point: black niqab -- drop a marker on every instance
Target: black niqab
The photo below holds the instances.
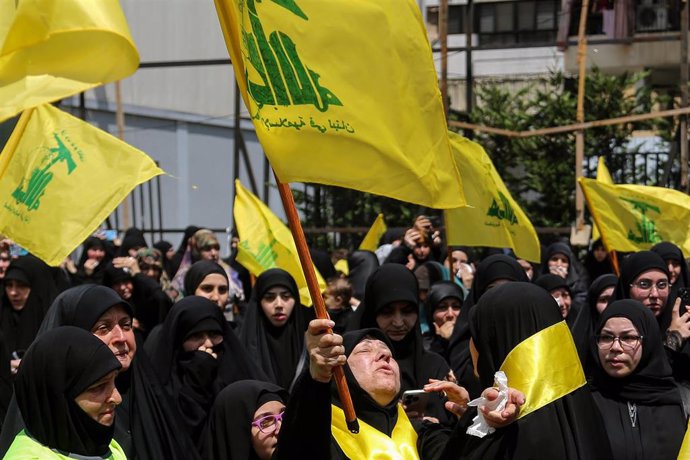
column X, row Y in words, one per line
column 58, row 367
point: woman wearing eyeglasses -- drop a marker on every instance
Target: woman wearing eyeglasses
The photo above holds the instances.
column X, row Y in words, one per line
column 633, row 387
column 245, row 422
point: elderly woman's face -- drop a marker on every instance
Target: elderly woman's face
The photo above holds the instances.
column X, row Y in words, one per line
column 620, row 347
column 114, row 328
column 100, row 399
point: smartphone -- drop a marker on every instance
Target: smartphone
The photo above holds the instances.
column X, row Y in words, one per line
column 110, row 235
column 16, row 251
column 684, row 294
column 415, row 401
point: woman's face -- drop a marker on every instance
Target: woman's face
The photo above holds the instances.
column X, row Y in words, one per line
column 277, row 304
column 265, row 438
column 100, row 399
column 18, row 293
column 651, row 288
column 621, row 357
column 673, row 269
column 96, row 253
column 604, row 298
column 214, row 287
column 558, row 264
column 562, row 296
column 447, row 310
column 4, row 263
column 114, row 328
column 397, row 319
column 202, row 340
column 210, row 251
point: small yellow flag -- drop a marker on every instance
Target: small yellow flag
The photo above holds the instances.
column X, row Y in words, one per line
column 633, row 218
column 373, row 236
column 52, row 49
column 684, row 453
column 492, row 218
column 266, row 242
column 60, row 178
column 344, row 93
column 603, row 175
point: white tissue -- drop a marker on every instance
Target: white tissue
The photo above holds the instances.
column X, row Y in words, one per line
column 479, row 426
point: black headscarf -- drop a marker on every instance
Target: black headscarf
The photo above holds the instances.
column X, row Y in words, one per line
column 493, row 268
column 147, row 425
column 577, row 278
column 632, row 267
column 164, row 246
column 58, row 367
column 277, row 350
column 19, row 328
column 133, row 239
column 228, row 433
column 588, row 318
column 383, row 418
column 660, row 423
column 440, row 290
column 395, row 283
column 669, row 251
column 568, row 427
column 200, row 270
column 594, row 268
column 362, row 264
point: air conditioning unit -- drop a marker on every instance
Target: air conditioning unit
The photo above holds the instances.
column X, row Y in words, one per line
column 652, row 16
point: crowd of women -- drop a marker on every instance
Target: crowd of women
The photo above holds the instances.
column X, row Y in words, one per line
column 150, row 352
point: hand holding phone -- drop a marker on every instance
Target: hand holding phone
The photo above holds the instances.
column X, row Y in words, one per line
column 415, row 402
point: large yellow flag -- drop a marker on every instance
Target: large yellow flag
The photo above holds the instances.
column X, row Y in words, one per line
column 52, row 49
column 603, row 175
column 492, row 218
column 266, row 242
column 60, row 178
column 636, row 217
column 373, row 236
column 344, row 93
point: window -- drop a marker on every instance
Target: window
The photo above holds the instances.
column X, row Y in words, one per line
column 511, row 23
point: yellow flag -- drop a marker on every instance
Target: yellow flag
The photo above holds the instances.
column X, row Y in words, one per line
column 373, row 236
column 604, row 176
column 266, row 242
column 52, row 49
column 60, row 178
column 344, row 93
column 635, row 217
column 492, row 218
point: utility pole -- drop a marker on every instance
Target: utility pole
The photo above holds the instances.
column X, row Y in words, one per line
column 443, row 38
column 684, row 97
column 469, row 77
column 580, row 115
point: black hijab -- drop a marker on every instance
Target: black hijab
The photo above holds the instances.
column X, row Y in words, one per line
column 440, row 290
column 669, row 251
column 164, row 246
column 200, row 270
column 194, row 314
column 97, row 276
column 493, row 268
column 19, row 328
column 277, row 350
column 659, row 421
column 588, row 318
column 133, row 239
column 632, row 267
column 147, row 425
column 362, row 264
column 383, row 418
column 396, row 283
column 568, row 427
column 228, row 433
column 594, row 268
column 57, row 368
column 179, row 254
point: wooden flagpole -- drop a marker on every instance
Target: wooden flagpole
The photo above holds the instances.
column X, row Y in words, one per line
column 321, row 312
